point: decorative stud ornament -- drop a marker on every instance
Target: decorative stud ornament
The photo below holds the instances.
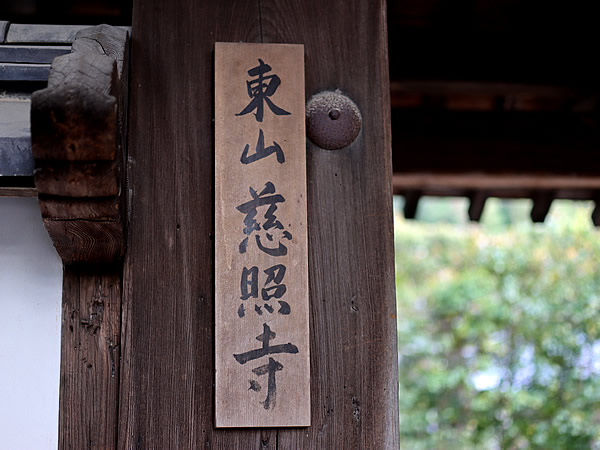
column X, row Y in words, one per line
column 333, row 121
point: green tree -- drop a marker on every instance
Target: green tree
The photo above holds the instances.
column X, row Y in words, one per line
column 499, row 334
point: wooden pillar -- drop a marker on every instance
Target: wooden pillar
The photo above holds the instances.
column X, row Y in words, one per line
column 77, row 130
column 90, row 357
column 167, row 371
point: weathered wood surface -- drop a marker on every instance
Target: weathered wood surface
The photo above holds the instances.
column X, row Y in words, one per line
column 479, row 181
column 478, row 187
column 75, row 118
column 168, row 367
column 51, row 34
column 494, row 142
column 83, row 241
column 103, row 39
column 66, row 208
column 77, row 126
column 262, row 303
column 77, row 179
column 18, row 191
column 90, row 357
column 354, row 379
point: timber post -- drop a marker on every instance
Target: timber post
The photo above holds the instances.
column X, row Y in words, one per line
column 78, row 129
column 168, row 371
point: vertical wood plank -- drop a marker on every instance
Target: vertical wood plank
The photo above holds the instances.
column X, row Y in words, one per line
column 261, row 254
column 90, row 355
column 167, row 395
column 354, row 361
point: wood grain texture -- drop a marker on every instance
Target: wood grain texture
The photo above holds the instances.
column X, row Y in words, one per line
column 50, row 34
column 76, row 136
column 168, row 368
column 76, row 179
column 494, row 142
column 75, row 117
column 77, row 128
column 66, row 208
column 168, row 362
column 354, row 379
column 103, row 40
column 90, row 357
column 480, row 181
column 257, row 290
column 86, row 241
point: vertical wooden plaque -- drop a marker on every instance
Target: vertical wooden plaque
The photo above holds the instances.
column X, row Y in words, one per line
column 261, row 252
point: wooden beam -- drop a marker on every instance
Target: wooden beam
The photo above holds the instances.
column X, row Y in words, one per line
column 77, row 179
column 488, row 96
column 84, row 240
column 411, row 203
column 476, row 204
column 51, row 34
column 168, row 363
column 70, row 121
column 498, row 186
column 440, row 54
column 66, row 208
column 542, row 202
column 353, row 308
column 447, row 88
column 437, row 140
column 479, row 181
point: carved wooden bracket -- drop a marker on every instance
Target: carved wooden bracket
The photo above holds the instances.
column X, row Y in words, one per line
column 78, row 132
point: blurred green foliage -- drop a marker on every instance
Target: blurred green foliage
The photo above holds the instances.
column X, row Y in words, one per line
column 498, row 328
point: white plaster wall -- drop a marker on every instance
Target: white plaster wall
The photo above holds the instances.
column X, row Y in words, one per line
column 30, row 310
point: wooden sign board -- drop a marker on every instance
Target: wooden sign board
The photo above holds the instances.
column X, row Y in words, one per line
column 261, row 250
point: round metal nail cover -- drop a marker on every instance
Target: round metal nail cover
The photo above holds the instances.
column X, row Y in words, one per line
column 333, row 121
